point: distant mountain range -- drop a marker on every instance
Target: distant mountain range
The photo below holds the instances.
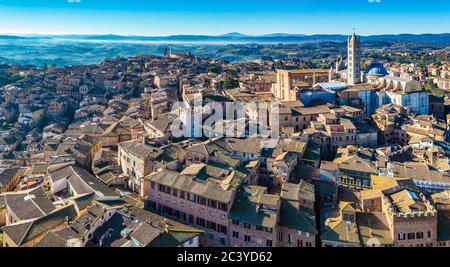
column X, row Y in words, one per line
column 11, row 37
column 238, row 37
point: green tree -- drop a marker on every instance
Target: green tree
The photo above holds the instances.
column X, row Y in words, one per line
column 430, row 84
column 214, row 69
column 231, row 80
column 434, row 89
column 230, row 84
column 231, row 74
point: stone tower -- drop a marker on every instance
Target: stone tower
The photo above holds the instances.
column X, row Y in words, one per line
column 354, row 60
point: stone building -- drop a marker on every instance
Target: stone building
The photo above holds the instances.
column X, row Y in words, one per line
column 289, row 82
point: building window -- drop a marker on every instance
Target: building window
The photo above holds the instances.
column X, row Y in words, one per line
column 269, row 230
column 411, row 236
column 235, row 222
column 259, row 228
column 201, row 200
column 419, row 235
column 183, row 216
column 222, row 229
column 201, row 222
column 248, row 226
column 268, row 243
column 210, row 236
column 280, row 236
column 247, row 238
column 401, row 236
column 161, row 188
column 223, row 206
column 212, row 204
column 290, row 239
column 235, row 234
column 212, row 225
column 152, row 205
column 429, row 234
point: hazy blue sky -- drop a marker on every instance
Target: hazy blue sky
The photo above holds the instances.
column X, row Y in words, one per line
column 214, row 17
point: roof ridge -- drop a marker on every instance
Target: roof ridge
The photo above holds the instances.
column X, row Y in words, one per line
column 34, row 202
column 84, row 182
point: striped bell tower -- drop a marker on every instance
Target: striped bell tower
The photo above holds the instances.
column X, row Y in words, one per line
column 354, row 60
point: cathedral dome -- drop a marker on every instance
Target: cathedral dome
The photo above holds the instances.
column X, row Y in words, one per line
column 376, row 69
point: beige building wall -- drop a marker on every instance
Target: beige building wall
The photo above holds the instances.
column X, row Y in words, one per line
column 297, row 238
column 415, row 230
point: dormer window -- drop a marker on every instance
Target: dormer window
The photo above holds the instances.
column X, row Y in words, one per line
column 87, row 225
column 348, row 217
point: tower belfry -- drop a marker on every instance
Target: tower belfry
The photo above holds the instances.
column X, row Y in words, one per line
column 354, row 60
